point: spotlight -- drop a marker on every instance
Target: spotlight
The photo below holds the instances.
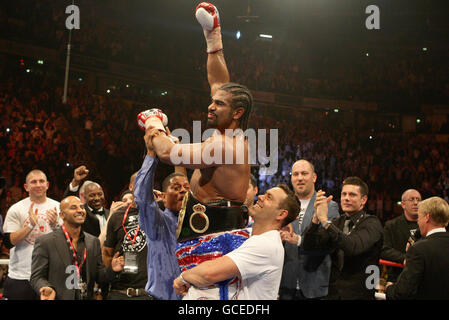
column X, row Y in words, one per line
column 238, row 35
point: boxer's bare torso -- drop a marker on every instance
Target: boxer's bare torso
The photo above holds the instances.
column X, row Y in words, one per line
column 227, row 181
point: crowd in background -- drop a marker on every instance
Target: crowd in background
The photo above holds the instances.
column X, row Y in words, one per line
column 99, row 131
column 404, row 76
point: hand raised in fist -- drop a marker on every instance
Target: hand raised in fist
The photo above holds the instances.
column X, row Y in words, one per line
column 79, row 175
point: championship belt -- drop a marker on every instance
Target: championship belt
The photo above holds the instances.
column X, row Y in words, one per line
column 196, row 218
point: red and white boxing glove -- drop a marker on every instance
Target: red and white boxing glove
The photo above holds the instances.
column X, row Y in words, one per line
column 208, row 17
column 152, row 118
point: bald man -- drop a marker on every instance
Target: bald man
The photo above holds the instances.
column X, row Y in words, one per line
column 305, row 274
column 425, row 275
column 67, row 263
column 25, row 221
column 399, row 230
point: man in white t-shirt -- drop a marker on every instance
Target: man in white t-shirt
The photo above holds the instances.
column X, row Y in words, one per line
column 258, row 261
column 25, row 221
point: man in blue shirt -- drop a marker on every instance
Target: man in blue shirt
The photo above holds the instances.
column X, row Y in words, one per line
column 160, row 226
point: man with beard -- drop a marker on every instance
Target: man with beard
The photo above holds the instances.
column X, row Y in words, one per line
column 214, row 207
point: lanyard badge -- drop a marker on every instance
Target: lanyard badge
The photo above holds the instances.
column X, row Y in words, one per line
column 82, row 286
column 130, row 256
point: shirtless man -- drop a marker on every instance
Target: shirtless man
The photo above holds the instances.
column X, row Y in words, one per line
column 219, row 182
column 229, row 109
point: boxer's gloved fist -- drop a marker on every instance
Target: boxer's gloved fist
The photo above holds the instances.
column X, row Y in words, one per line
column 152, row 118
column 208, row 17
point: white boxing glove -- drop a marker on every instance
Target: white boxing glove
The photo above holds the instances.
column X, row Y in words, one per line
column 152, row 118
column 208, row 17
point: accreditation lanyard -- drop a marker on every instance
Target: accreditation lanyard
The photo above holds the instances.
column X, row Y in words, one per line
column 74, row 252
column 126, row 232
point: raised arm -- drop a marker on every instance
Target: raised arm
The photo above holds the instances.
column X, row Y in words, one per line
column 217, row 71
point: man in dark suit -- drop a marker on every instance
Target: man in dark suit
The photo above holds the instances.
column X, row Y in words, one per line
column 399, row 231
column 425, row 275
column 92, row 197
column 67, row 262
column 354, row 239
column 97, row 214
column 306, row 273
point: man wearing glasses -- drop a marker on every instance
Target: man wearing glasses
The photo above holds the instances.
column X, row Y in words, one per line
column 401, row 230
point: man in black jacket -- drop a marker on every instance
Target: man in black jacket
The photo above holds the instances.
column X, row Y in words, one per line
column 67, row 262
column 354, row 240
column 92, row 197
column 399, row 230
column 125, row 236
column 425, row 275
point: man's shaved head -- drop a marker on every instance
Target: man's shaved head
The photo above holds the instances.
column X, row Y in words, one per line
column 65, row 203
column 34, row 172
column 72, row 211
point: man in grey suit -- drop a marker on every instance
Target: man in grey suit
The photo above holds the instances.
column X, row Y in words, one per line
column 67, row 262
column 306, row 273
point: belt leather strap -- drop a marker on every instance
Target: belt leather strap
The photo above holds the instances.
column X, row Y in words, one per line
column 131, row 292
column 197, row 219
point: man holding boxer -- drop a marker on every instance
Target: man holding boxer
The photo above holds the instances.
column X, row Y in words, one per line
column 214, row 206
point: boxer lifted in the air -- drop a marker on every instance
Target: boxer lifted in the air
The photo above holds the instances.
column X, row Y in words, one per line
column 224, row 182
column 212, row 215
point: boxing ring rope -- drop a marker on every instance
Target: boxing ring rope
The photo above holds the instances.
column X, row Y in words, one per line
column 4, row 261
column 390, row 263
column 381, row 295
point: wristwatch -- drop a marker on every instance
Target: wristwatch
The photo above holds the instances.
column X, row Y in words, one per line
column 325, row 224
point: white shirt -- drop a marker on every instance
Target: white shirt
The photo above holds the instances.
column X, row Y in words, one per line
column 101, row 217
column 304, row 205
column 435, row 231
column 259, row 260
column 16, row 218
